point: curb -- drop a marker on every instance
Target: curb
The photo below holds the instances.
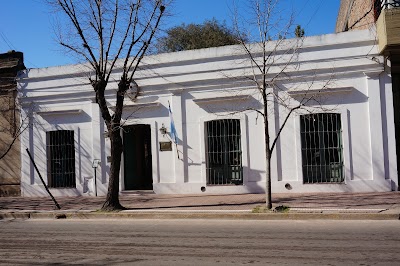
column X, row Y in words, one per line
column 204, row 215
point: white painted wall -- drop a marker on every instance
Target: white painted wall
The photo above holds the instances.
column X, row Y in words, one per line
column 199, row 87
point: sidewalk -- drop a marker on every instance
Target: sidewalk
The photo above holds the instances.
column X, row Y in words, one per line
column 382, row 205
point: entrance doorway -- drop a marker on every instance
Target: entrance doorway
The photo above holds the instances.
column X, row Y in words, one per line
column 137, row 157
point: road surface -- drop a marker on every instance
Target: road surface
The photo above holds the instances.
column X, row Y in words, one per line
column 199, row 242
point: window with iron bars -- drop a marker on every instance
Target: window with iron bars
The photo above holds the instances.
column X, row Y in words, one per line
column 224, row 153
column 60, row 159
column 321, row 146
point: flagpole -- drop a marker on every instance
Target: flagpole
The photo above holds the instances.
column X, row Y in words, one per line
column 177, row 152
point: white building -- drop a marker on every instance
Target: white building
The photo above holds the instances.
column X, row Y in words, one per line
column 350, row 147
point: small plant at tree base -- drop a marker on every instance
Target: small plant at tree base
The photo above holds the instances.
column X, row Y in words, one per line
column 264, row 209
column 282, row 208
column 260, row 209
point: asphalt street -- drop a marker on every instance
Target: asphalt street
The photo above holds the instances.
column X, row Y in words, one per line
column 199, row 242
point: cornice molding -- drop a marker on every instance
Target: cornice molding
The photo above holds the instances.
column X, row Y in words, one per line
column 57, row 111
column 138, row 105
column 200, row 101
column 373, row 74
column 322, row 91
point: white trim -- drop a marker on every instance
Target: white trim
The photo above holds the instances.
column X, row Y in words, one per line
column 155, row 156
column 297, row 143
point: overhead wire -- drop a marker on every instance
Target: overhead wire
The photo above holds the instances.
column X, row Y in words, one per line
column 7, row 41
column 315, row 12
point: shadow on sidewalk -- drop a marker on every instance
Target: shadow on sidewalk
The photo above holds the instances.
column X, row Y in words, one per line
column 228, row 202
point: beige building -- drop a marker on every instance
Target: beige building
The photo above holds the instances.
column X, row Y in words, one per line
column 355, row 15
column 10, row 156
column 382, row 15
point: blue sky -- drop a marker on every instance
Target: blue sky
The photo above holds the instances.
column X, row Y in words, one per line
column 26, row 25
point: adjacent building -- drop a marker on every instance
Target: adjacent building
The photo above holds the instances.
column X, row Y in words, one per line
column 10, row 163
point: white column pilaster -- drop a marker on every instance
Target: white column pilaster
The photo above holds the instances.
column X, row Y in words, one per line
column 97, row 146
column 391, row 169
column 176, row 107
column 375, row 125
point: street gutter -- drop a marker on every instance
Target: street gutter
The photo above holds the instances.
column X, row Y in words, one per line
column 87, row 215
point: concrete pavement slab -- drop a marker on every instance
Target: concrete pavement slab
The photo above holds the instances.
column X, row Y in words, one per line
column 343, row 205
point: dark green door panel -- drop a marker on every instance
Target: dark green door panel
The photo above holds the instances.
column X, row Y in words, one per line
column 137, row 158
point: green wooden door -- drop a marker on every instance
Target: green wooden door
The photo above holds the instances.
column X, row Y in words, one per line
column 137, row 158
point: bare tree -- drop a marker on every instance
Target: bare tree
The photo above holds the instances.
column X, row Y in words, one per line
column 110, row 34
column 272, row 56
column 11, row 133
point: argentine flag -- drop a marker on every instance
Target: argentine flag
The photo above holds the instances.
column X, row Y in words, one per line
column 174, row 135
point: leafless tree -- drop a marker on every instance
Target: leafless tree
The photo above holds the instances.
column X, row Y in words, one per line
column 110, row 35
column 10, row 133
column 272, row 56
column 10, row 125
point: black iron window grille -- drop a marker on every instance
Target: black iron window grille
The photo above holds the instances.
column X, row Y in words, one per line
column 384, row 4
column 224, row 153
column 60, row 159
column 321, row 146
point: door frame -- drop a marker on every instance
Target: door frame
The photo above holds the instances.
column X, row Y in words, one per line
column 148, row 128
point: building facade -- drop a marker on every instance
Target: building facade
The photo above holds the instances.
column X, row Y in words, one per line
column 344, row 142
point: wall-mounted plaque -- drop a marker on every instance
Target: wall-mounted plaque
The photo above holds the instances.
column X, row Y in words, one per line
column 165, row 146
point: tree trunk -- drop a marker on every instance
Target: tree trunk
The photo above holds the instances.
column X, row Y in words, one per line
column 268, row 197
column 112, row 200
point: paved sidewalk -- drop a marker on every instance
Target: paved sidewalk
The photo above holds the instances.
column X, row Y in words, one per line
column 384, row 203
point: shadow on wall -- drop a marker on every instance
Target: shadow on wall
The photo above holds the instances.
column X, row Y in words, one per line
column 333, row 98
column 231, row 106
column 142, row 112
column 66, row 119
column 353, row 96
